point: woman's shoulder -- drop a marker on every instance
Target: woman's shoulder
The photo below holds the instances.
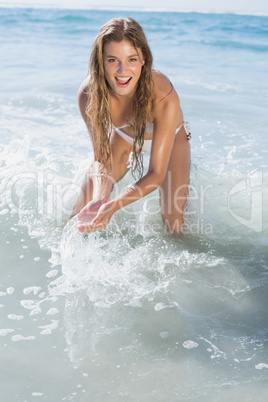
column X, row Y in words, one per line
column 163, row 88
column 82, row 95
column 162, row 84
column 83, row 89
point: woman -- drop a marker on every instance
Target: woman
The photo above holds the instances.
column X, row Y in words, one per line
column 129, row 109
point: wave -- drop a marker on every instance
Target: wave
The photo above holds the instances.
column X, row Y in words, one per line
column 237, row 45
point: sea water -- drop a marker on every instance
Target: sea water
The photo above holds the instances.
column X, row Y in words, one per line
column 133, row 313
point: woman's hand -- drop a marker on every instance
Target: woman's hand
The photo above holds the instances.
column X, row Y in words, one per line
column 95, row 216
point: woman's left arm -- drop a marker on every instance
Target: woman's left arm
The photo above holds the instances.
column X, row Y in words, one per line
column 166, row 116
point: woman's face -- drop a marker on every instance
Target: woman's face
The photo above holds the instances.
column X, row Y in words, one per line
column 122, row 67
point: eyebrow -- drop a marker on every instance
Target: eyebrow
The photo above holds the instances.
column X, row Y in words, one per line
column 127, row 56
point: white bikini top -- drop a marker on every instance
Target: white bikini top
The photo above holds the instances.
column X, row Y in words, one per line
column 149, row 129
column 147, row 143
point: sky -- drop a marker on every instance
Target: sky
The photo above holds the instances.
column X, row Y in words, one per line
column 244, row 6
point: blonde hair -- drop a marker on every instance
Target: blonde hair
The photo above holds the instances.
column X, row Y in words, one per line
column 98, row 106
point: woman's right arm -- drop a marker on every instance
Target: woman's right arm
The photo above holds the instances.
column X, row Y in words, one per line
column 98, row 182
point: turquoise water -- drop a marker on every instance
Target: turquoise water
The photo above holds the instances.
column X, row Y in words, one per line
column 133, row 313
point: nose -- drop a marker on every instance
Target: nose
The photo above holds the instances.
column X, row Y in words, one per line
column 121, row 67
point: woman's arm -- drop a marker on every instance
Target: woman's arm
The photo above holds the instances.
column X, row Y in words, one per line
column 98, row 183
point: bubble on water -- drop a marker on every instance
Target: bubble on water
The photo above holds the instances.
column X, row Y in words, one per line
column 52, row 273
column 15, row 317
column 190, row 344
column 52, row 311
column 135, row 302
column 47, row 329
column 261, row 366
column 36, row 311
column 164, row 334
column 35, row 234
column 5, row 331
column 28, row 304
column 17, row 338
column 30, row 289
column 160, row 306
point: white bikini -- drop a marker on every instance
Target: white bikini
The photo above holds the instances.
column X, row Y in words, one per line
column 146, row 149
column 149, row 129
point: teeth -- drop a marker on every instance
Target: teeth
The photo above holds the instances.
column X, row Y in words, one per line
column 123, row 79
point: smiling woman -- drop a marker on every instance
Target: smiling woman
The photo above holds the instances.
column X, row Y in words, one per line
column 123, row 68
column 130, row 109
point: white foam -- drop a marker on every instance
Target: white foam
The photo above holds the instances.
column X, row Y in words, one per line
column 53, row 311
column 15, row 317
column 261, row 366
column 190, row 344
column 164, row 334
column 32, row 289
column 17, row 338
column 5, row 331
column 47, row 329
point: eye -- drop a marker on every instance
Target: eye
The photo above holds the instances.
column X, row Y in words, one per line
column 132, row 60
column 111, row 60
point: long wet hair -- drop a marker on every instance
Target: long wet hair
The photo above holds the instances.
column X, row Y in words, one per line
column 98, row 105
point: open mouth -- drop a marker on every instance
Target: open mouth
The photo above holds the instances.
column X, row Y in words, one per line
column 123, row 81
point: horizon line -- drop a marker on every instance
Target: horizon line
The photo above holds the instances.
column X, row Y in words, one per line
column 122, row 8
